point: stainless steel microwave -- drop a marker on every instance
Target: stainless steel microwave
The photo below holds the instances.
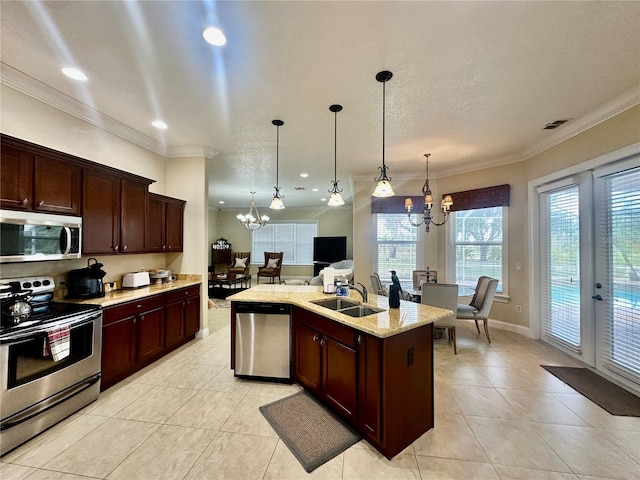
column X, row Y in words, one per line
column 28, row 236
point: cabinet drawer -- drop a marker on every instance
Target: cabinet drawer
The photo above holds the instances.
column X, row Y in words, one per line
column 183, row 293
column 113, row 314
column 335, row 330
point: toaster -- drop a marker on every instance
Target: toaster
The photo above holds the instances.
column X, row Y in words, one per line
column 135, row 279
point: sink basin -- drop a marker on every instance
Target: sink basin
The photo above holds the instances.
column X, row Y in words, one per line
column 336, row 303
column 360, row 311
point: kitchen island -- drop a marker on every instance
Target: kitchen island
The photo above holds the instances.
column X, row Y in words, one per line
column 374, row 371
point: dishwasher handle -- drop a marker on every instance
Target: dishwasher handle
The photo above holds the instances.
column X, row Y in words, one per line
column 269, row 308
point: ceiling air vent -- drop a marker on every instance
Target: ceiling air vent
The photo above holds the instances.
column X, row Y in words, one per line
column 554, row 124
column 299, row 188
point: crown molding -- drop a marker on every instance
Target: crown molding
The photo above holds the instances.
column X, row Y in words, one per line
column 191, row 151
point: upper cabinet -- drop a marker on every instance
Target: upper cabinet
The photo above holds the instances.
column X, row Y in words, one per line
column 119, row 215
column 164, row 227
column 37, row 181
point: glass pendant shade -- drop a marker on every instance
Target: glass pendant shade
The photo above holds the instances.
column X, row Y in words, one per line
column 383, row 189
column 335, row 200
column 276, row 203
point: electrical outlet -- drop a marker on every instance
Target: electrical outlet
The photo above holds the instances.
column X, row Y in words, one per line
column 518, row 267
column 518, row 308
column 142, row 269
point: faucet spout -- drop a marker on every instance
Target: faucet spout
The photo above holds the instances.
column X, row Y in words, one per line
column 363, row 292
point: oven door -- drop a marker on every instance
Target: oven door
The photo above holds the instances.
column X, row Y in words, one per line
column 32, row 381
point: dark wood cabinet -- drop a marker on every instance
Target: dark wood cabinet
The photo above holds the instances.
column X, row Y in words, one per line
column 369, row 397
column 164, row 224
column 132, row 337
column 182, row 316
column 132, row 220
column 325, row 361
column 100, row 212
column 38, row 179
column 16, row 175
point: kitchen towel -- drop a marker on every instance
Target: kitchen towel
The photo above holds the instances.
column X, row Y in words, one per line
column 57, row 343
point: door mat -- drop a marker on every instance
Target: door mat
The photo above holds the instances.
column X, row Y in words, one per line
column 313, row 433
column 614, row 399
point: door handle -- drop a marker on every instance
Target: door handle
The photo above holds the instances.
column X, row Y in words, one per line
column 597, row 297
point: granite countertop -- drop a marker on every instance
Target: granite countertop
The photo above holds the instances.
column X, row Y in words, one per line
column 129, row 294
column 390, row 322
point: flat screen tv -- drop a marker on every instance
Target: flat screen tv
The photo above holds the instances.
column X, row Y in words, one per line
column 329, row 249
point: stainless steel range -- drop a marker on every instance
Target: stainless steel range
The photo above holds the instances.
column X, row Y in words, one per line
column 50, row 357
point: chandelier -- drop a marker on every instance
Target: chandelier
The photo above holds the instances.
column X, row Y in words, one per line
column 249, row 220
column 427, row 219
column 383, row 187
column 335, row 200
column 276, row 203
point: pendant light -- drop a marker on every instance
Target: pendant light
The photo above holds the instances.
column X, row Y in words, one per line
column 383, row 188
column 276, row 203
column 335, row 200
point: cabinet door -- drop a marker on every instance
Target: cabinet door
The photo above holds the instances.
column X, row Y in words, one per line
column 134, row 200
column 308, row 356
column 175, row 212
column 100, row 212
column 56, row 186
column 150, row 335
column 192, row 316
column 118, row 350
column 369, row 393
column 174, row 325
column 339, row 377
column 155, row 227
column 16, row 175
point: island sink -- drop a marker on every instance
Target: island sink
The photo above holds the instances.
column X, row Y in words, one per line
column 347, row 306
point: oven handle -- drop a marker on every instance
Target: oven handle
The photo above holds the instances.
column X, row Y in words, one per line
column 31, row 332
column 51, row 402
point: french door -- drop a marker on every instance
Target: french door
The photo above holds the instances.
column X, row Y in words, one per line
column 590, row 268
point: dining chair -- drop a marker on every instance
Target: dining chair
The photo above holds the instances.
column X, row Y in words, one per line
column 443, row 295
column 240, row 263
column 480, row 305
column 272, row 266
column 376, row 285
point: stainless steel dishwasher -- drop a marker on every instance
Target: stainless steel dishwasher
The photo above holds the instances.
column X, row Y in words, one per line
column 263, row 341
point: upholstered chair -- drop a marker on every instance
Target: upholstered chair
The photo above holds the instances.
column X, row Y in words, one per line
column 272, row 266
column 444, row 296
column 480, row 305
column 240, row 263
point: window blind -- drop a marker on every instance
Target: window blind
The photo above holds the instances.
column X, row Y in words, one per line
column 295, row 240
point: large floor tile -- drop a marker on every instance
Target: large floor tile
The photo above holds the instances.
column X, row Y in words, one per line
column 446, row 469
column 596, row 416
column 368, row 464
column 577, row 446
column 284, row 465
column 626, row 440
column 541, row 407
column 483, row 402
column 248, row 419
column 276, row 390
column 208, row 409
column 157, row 405
column 467, row 375
column 116, row 398
column 193, row 376
column 225, row 381
column 517, row 473
column 102, row 450
column 515, row 443
column 169, row 453
column 53, row 475
column 452, row 438
column 11, row 471
column 234, row 456
column 46, row 446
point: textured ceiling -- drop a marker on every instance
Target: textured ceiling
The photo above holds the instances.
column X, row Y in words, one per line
column 474, row 82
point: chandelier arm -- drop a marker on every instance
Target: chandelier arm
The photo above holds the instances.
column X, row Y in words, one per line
column 446, row 217
column 415, row 224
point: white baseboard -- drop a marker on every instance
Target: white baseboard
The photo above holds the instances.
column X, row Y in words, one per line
column 509, row 327
column 202, row 333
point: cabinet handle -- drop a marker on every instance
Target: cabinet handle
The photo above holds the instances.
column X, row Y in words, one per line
column 124, row 248
column 138, row 306
column 116, row 248
column 164, row 247
column 25, row 202
column 315, row 338
column 41, row 203
column 359, row 339
column 322, row 342
column 169, row 246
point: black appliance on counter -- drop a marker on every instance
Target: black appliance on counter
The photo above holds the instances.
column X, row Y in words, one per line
column 86, row 282
column 39, row 386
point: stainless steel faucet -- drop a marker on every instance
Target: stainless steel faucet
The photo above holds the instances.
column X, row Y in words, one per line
column 363, row 293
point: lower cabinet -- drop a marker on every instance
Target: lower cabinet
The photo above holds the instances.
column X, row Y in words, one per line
column 135, row 334
column 383, row 387
column 325, row 361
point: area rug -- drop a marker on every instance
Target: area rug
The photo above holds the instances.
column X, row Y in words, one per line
column 312, row 433
column 614, row 399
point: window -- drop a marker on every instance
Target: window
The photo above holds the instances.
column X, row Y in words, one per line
column 478, row 245
column 294, row 239
column 397, row 246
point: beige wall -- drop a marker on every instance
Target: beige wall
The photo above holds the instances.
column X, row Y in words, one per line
column 336, row 221
column 33, row 121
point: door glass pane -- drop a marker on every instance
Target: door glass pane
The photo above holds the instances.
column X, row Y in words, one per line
column 561, row 267
column 619, row 260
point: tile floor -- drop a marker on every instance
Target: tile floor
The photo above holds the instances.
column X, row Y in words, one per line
column 498, row 416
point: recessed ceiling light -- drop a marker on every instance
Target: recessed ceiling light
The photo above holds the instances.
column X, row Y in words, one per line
column 304, row 175
column 323, row 199
column 159, row 124
column 221, row 201
column 315, row 190
column 214, row 36
column 75, row 74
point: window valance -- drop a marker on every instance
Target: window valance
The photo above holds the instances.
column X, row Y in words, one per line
column 496, row 196
column 394, row 204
